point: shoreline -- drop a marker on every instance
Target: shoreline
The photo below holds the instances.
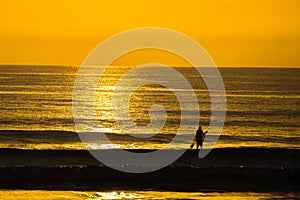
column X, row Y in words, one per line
column 70, row 140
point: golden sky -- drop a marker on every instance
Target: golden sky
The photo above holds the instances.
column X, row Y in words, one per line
column 234, row 32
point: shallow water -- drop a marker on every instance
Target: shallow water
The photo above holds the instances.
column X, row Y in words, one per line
column 43, row 194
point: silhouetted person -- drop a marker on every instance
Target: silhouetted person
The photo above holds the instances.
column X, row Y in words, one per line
column 199, row 138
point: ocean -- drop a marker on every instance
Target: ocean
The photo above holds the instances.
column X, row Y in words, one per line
column 36, row 108
column 42, row 157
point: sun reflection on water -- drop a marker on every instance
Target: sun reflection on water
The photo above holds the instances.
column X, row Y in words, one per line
column 115, row 195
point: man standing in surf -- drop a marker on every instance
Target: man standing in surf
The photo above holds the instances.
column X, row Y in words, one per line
column 199, row 138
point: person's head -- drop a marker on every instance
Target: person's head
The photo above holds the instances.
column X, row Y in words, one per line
column 200, row 127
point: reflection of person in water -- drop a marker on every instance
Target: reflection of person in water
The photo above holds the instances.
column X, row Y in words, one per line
column 199, row 138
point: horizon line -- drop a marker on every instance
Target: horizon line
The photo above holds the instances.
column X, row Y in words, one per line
column 65, row 65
